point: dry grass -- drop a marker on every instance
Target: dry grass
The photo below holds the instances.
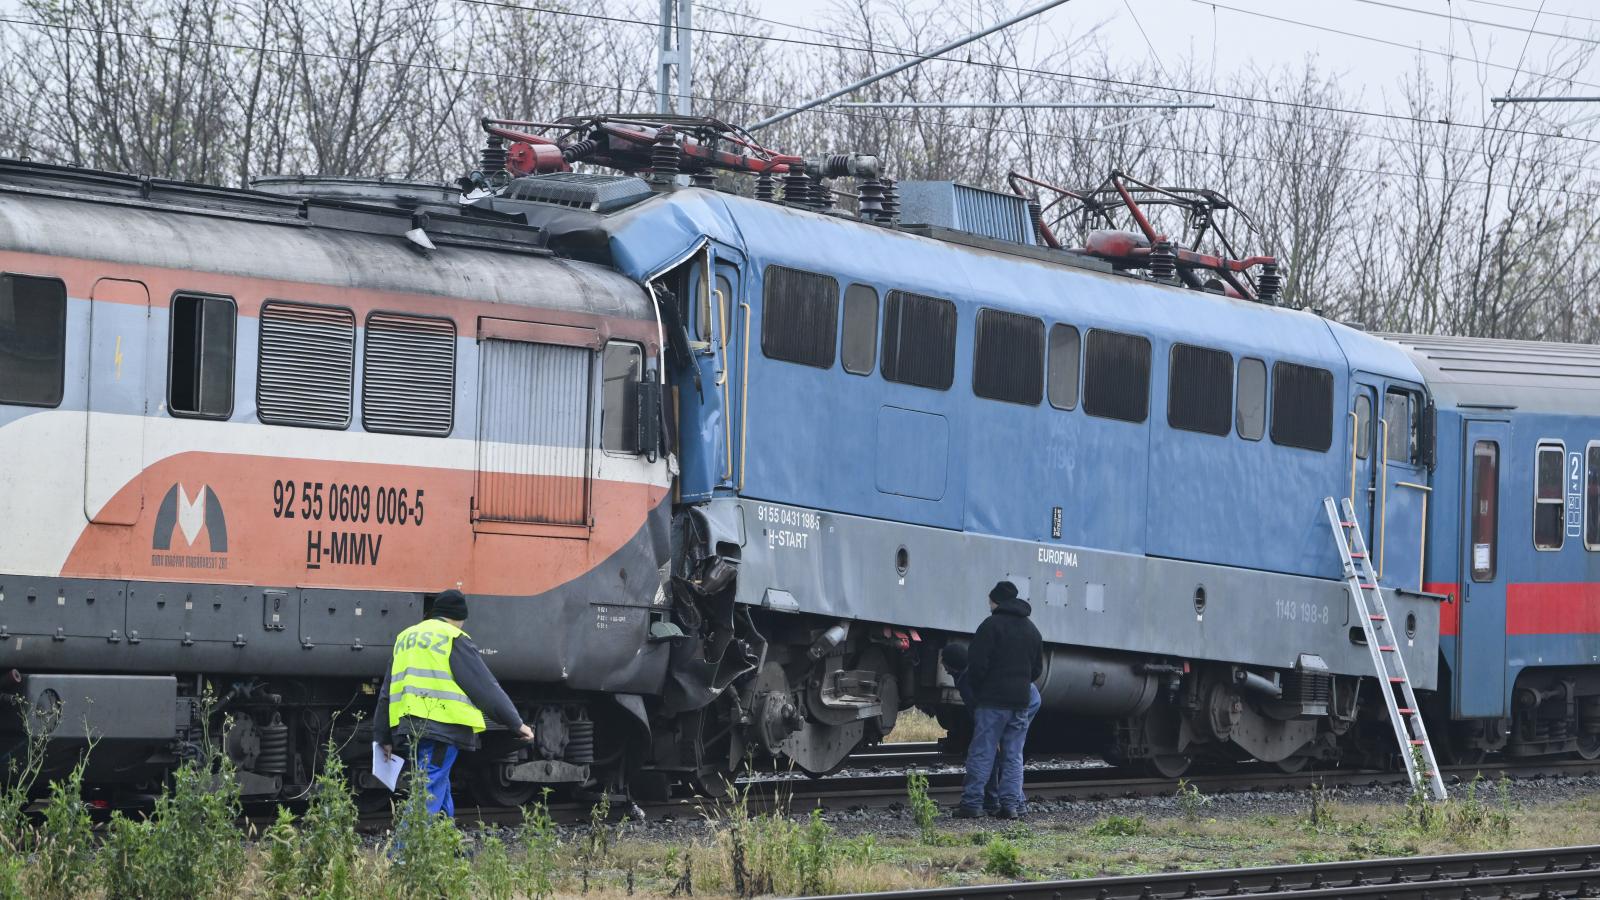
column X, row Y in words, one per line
column 914, row 725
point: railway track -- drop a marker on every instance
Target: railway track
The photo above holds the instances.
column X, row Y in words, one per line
column 1560, row 872
column 888, row 791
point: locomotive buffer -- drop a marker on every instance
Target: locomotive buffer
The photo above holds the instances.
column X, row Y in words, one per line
column 1409, row 731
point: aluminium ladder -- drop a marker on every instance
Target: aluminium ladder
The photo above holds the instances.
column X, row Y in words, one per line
column 1387, row 661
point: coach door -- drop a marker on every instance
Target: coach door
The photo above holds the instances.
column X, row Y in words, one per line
column 119, row 325
column 1481, row 640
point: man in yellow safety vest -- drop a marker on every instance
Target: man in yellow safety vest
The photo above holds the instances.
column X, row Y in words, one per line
column 436, row 694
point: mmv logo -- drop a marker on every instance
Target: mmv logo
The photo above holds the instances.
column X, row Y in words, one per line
column 181, row 515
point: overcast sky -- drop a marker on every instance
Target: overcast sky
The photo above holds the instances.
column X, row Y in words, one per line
column 1231, row 34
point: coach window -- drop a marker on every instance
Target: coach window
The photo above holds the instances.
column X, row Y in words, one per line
column 1116, row 376
column 408, row 374
column 33, row 340
column 1251, row 414
column 1400, row 409
column 305, row 370
column 919, row 340
column 1065, row 356
column 1591, row 492
column 1485, row 508
column 200, row 370
column 799, row 316
column 1550, row 497
column 1200, row 390
column 1008, row 357
column 1302, row 406
column 860, row 344
column 622, row 369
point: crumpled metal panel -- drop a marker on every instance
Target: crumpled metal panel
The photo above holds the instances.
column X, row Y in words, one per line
column 533, row 433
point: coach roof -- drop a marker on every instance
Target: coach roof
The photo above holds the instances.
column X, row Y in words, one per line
column 1489, row 373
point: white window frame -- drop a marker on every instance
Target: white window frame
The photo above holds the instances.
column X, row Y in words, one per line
column 1539, row 450
column 1587, row 472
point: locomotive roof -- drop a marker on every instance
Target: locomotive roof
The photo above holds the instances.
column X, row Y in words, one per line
column 1490, row 373
column 80, row 213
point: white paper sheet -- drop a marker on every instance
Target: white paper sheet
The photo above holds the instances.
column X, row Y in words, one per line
column 386, row 770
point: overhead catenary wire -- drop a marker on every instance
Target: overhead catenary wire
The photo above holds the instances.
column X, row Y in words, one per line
column 767, row 105
column 1128, row 86
column 1505, row 25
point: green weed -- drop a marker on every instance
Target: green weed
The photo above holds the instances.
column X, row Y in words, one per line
column 1190, row 801
column 814, row 856
column 428, row 859
column 1002, row 858
column 1119, row 826
column 924, row 809
column 64, row 866
column 539, row 843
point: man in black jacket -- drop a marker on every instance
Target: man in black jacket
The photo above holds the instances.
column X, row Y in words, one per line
column 1005, row 658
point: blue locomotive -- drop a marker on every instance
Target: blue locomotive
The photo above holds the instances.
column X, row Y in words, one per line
column 725, row 472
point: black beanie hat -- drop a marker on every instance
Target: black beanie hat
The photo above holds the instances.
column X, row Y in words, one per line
column 955, row 658
column 1003, row 592
column 451, row 604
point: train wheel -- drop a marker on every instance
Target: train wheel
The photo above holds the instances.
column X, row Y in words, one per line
column 1292, row 764
column 1589, row 747
column 1172, row 765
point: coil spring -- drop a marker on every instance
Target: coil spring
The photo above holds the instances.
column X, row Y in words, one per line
column 274, row 756
column 665, row 155
column 580, row 149
column 580, row 741
column 766, row 187
column 797, row 186
column 493, row 158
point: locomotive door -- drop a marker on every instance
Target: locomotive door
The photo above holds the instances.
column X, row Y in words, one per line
column 119, row 324
column 717, row 320
column 1480, row 672
column 1363, row 456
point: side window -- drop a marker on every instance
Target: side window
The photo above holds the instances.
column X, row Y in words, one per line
column 919, row 340
column 200, row 367
column 799, row 317
column 1008, row 357
column 33, row 340
column 1116, row 376
column 860, row 345
column 1549, row 498
column 408, row 375
column 1591, row 490
column 305, row 371
column 1200, row 390
column 1251, row 415
column 1363, row 424
column 1064, row 360
column 1400, row 409
column 1485, row 509
column 621, row 370
column 1302, row 406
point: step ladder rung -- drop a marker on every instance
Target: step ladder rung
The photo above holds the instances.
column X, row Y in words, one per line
column 1395, row 679
column 1418, row 742
column 1377, row 618
column 1366, row 587
column 1388, row 649
column 1407, row 711
column 1357, row 554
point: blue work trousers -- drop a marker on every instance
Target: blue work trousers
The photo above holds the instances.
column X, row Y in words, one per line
column 994, row 758
column 436, row 758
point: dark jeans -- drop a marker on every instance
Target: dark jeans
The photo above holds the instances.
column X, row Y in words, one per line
column 994, row 758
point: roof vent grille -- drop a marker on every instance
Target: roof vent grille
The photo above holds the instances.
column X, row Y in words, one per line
column 577, row 190
column 1003, row 217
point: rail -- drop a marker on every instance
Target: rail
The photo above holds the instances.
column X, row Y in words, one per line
column 1547, row 873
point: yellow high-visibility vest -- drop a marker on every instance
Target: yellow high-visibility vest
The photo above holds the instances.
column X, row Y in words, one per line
column 420, row 683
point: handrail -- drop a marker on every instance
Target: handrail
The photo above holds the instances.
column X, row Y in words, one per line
column 1355, row 438
column 1383, row 497
column 744, row 395
column 722, row 382
column 1422, row 551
